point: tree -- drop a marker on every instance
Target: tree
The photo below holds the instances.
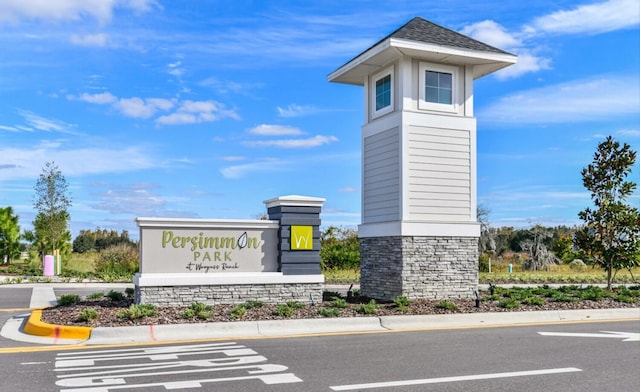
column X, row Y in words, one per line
column 9, row 235
column 340, row 248
column 52, row 202
column 539, row 256
column 611, row 233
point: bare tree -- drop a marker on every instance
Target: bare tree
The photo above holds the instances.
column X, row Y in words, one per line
column 540, row 258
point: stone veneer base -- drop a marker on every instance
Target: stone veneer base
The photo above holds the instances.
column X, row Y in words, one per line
column 434, row 267
column 185, row 289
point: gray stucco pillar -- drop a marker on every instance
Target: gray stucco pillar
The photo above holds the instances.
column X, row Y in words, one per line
column 299, row 234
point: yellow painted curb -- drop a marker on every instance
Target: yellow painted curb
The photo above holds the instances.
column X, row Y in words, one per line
column 35, row 326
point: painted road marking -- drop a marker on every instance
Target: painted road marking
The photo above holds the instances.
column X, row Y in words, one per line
column 170, row 367
column 625, row 336
column 439, row 380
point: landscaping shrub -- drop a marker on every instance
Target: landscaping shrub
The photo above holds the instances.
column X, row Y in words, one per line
column 237, row 312
column 339, row 303
column 284, row 310
column 87, row 315
column 508, row 303
column 328, row 312
column 68, row 299
column 369, row 308
column 444, row 304
column 198, row 310
column 96, row 295
column 118, row 260
column 115, row 295
column 137, row 311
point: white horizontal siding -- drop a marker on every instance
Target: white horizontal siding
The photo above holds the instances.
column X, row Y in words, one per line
column 381, row 177
column 438, row 174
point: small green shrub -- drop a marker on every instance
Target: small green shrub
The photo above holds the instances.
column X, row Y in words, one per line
column 329, row 312
column 295, row 305
column 493, row 297
column 592, row 293
column 96, row 295
column 137, row 311
column 330, row 295
column 562, row 297
column 68, row 299
column 198, row 310
column 369, row 308
column 624, row 298
column 237, row 312
column 129, row 291
column 339, row 303
column 284, row 310
column 444, row 304
column 534, row 300
column 509, row 303
column 401, row 301
column 253, row 304
column 115, row 295
column 87, row 315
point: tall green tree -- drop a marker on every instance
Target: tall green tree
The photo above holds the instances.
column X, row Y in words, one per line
column 52, row 201
column 611, row 231
column 9, row 235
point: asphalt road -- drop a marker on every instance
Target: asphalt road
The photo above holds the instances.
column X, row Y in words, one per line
column 479, row 359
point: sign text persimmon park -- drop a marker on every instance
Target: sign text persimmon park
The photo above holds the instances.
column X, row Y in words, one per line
column 178, row 250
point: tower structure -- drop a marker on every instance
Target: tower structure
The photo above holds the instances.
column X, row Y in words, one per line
column 419, row 230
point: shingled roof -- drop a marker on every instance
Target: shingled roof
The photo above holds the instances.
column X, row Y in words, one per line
column 426, row 40
column 421, row 30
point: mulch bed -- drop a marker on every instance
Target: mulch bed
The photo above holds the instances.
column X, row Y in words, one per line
column 107, row 309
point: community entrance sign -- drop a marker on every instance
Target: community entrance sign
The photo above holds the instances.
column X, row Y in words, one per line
column 183, row 261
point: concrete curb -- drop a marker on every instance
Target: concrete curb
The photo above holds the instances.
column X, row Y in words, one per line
column 299, row 327
column 34, row 326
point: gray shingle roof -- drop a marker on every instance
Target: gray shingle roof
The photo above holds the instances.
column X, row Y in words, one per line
column 421, row 30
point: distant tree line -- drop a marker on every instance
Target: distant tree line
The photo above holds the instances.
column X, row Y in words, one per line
column 99, row 239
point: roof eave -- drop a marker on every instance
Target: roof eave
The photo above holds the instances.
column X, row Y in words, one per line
column 356, row 70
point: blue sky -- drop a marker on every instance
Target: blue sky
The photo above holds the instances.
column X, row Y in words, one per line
column 207, row 108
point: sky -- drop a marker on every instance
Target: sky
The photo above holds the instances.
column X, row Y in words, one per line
column 205, row 109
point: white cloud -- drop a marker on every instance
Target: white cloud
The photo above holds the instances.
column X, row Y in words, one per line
column 294, row 110
column 90, row 40
column 527, row 62
column 593, row 99
column 491, row 33
column 28, row 162
column 187, row 112
column 233, row 158
column 264, row 166
column 591, row 18
column 192, row 112
column 15, row 11
column 311, row 142
column 496, row 35
column 228, row 86
column 629, row 132
column 8, row 128
column 274, row 130
column 100, row 98
column 135, row 107
column 34, row 121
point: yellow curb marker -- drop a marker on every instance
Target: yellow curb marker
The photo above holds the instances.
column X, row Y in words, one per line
column 35, row 326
